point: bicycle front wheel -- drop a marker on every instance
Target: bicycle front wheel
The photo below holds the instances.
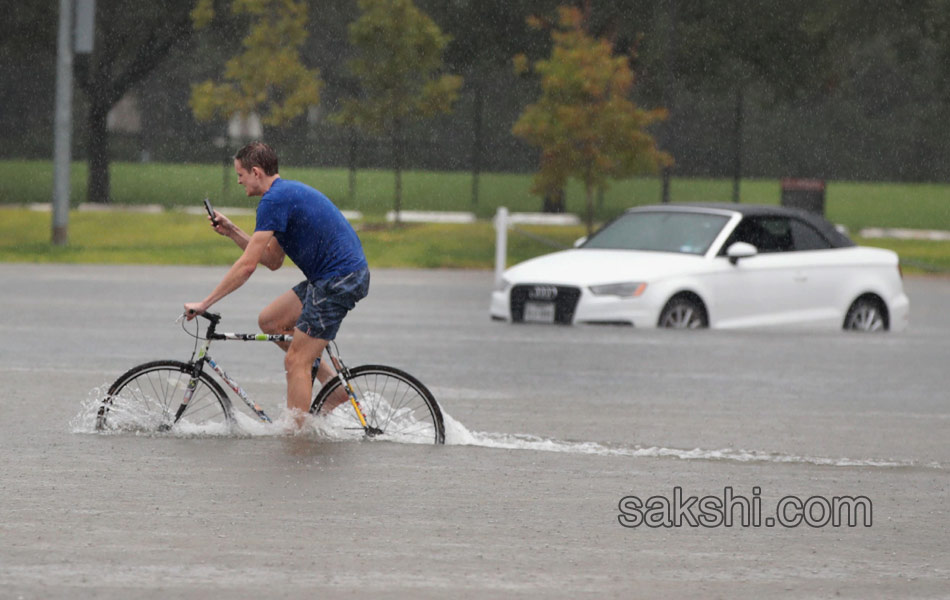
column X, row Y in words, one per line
column 150, row 397
column 396, row 405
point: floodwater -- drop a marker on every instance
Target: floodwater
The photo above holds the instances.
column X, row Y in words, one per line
column 548, row 430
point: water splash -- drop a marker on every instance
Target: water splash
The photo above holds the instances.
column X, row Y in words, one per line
column 85, row 421
column 458, row 434
column 334, row 429
column 131, row 416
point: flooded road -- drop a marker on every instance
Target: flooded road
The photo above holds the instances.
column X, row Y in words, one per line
column 549, row 430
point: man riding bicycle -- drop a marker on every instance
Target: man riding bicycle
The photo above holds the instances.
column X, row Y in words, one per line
column 295, row 220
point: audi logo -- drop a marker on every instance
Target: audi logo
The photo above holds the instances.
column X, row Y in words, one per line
column 542, row 292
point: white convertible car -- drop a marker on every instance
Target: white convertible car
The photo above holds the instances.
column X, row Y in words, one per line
column 710, row 265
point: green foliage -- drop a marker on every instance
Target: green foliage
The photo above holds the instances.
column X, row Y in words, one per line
column 786, row 45
column 268, row 76
column 397, row 68
column 584, row 122
column 399, row 56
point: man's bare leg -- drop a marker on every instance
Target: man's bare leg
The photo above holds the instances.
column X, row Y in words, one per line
column 339, row 395
column 299, row 362
column 280, row 317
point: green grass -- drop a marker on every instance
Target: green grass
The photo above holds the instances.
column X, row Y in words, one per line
column 910, row 205
column 174, row 238
column 917, row 256
column 854, row 205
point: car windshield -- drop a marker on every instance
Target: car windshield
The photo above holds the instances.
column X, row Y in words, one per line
column 660, row 231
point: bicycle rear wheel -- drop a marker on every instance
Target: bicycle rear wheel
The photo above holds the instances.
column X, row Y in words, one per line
column 396, row 405
column 147, row 398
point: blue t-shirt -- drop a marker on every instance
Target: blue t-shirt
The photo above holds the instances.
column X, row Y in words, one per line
column 311, row 230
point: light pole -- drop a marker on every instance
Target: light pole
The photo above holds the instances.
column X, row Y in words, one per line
column 68, row 40
column 62, row 150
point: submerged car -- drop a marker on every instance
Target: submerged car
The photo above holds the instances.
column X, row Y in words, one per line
column 710, row 265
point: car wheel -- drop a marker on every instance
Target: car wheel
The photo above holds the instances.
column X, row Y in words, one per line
column 683, row 313
column 866, row 314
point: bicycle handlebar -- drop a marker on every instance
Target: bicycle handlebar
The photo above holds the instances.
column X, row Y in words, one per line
column 213, row 317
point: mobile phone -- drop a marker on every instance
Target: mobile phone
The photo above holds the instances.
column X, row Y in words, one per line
column 210, row 210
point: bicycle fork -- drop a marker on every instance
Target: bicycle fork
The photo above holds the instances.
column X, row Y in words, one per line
column 189, row 392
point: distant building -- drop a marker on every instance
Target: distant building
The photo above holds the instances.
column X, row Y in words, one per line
column 125, row 116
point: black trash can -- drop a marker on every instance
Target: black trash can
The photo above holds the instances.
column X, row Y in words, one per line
column 804, row 194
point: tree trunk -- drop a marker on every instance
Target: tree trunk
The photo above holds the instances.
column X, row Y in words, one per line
column 477, row 126
column 397, row 165
column 737, row 158
column 669, row 91
column 590, row 208
column 227, row 172
column 351, row 160
column 553, row 202
column 666, row 174
column 97, row 189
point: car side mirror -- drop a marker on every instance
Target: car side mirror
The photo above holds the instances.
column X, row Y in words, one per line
column 580, row 241
column 740, row 250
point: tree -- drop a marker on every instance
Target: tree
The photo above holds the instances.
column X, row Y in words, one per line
column 485, row 34
column 788, row 46
column 28, row 73
column 584, row 123
column 397, row 66
column 268, row 76
column 129, row 45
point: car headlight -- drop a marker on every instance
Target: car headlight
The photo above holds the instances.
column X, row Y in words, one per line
column 502, row 285
column 630, row 289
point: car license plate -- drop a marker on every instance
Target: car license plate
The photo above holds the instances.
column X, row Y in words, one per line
column 539, row 312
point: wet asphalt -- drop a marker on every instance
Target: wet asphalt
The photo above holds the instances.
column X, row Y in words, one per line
column 550, row 428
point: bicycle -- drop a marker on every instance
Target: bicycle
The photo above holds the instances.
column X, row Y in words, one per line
column 164, row 395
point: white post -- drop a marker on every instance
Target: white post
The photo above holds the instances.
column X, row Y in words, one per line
column 501, row 242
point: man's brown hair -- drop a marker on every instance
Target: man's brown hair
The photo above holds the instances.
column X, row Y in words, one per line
column 258, row 154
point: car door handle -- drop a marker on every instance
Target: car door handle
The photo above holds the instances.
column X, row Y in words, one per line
column 800, row 278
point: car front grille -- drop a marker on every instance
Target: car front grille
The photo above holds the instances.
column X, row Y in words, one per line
column 563, row 297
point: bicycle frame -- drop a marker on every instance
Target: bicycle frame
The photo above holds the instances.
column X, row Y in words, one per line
column 202, row 357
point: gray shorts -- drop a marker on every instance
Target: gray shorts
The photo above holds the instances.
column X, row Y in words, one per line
column 326, row 301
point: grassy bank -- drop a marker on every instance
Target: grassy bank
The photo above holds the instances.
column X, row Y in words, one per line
column 176, row 238
column 854, row 205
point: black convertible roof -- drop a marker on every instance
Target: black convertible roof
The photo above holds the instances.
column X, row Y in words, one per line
column 831, row 233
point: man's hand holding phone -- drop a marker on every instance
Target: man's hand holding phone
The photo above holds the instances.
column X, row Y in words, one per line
column 221, row 224
column 210, row 209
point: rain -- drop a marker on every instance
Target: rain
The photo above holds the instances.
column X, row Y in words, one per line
column 629, row 415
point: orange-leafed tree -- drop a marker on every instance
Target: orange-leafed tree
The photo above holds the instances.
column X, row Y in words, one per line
column 584, row 123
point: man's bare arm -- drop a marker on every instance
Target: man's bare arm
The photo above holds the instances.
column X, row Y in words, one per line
column 240, row 272
column 273, row 257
